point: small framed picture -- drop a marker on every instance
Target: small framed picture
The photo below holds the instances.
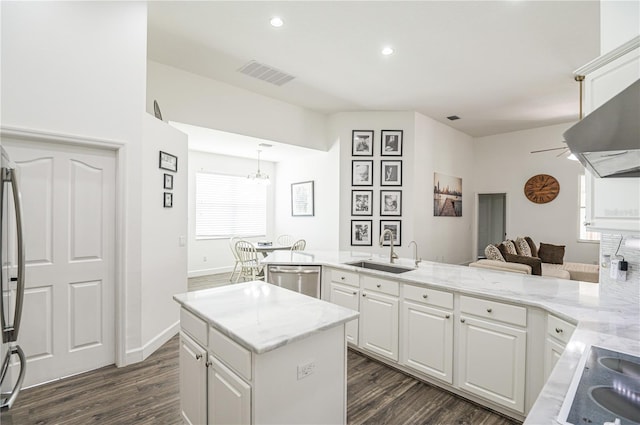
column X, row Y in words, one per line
column 302, row 199
column 394, row 227
column 361, row 232
column 361, row 173
column 168, row 200
column 362, row 202
column 362, row 143
column 391, row 202
column 391, row 173
column 168, row 181
column 168, row 162
column 391, row 143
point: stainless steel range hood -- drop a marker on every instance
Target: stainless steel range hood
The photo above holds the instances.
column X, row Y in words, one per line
column 607, row 141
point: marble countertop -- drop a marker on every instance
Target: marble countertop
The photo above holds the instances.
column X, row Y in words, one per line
column 607, row 315
column 262, row 317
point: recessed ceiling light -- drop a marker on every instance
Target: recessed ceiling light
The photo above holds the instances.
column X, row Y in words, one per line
column 276, row 22
column 387, row 51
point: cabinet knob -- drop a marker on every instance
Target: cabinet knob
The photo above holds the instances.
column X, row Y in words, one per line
column 198, row 356
column 489, row 310
column 354, row 292
column 587, row 223
column 378, row 285
column 462, row 320
column 447, row 316
column 341, row 277
column 425, row 296
column 207, row 363
column 364, row 295
column 558, row 330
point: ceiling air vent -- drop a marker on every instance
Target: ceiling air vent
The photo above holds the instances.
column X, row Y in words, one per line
column 266, row 73
column 453, row 117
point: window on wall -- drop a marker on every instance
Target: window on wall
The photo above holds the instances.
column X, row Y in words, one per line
column 585, row 235
column 229, row 206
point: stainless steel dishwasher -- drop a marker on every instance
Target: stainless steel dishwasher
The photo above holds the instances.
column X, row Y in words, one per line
column 303, row 279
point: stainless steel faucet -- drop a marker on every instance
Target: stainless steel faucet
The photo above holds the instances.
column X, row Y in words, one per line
column 392, row 255
column 416, row 260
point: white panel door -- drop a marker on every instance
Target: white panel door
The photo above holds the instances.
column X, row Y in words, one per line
column 229, row 397
column 347, row 296
column 379, row 324
column 68, row 194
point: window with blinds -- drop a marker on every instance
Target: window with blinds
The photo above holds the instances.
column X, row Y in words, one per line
column 229, row 206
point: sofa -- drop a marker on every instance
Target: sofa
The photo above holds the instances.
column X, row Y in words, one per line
column 522, row 255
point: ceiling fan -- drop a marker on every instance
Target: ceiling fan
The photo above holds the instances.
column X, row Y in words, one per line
column 564, row 150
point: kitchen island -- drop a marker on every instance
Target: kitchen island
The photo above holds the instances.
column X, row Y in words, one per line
column 257, row 353
column 547, row 322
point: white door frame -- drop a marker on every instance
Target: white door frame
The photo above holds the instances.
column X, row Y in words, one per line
column 120, row 213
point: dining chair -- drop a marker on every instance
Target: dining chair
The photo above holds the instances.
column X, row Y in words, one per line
column 232, row 246
column 285, row 240
column 250, row 266
column 299, row 245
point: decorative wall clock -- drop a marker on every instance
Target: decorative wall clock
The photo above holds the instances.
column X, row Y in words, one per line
column 541, row 188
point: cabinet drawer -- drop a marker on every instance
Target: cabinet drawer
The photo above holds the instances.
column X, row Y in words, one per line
column 230, row 352
column 380, row 285
column 194, row 326
column 347, row 278
column 429, row 296
column 559, row 328
column 494, row 310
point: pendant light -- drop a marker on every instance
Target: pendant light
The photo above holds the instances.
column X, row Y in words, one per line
column 259, row 177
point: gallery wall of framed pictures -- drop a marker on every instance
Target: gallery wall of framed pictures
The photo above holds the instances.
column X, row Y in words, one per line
column 376, row 186
column 169, row 163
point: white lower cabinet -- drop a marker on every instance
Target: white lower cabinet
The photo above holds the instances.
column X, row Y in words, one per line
column 558, row 334
column 229, row 397
column 379, row 314
column 349, row 297
column 491, row 361
column 193, row 381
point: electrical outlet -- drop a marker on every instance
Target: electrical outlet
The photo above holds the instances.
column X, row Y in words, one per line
column 204, row 259
column 306, row 369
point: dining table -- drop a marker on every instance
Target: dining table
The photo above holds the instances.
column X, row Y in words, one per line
column 266, row 249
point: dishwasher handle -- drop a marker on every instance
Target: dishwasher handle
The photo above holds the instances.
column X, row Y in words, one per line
column 290, row 270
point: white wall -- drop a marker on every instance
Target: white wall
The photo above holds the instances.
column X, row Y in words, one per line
column 164, row 256
column 196, row 100
column 320, row 231
column 503, row 163
column 218, row 255
column 619, row 23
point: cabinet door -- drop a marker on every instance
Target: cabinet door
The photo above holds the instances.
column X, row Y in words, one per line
column 193, row 381
column 553, row 349
column 491, row 361
column 379, row 324
column 348, row 297
column 229, row 396
column 427, row 340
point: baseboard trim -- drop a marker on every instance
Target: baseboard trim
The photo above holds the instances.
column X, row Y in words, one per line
column 139, row 354
column 206, row 272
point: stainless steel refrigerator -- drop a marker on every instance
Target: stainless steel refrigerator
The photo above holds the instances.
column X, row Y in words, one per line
column 11, row 282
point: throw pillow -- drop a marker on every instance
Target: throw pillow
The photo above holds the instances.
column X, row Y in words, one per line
column 534, row 262
column 502, row 249
column 553, row 254
column 510, row 247
column 532, row 246
column 523, row 247
column 492, row 253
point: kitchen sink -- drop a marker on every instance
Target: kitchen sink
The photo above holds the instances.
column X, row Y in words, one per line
column 380, row 267
column 619, row 401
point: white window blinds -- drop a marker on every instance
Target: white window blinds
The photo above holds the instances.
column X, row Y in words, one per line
column 229, row 206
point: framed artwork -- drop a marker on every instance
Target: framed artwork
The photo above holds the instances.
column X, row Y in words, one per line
column 361, row 173
column 391, row 173
column 302, row 199
column 362, row 202
column 168, row 200
column 168, row 181
column 391, row 202
column 447, row 196
column 168, row 162
column 391, row 143
column 361, row 232
column 362, row 143
column 394, row 226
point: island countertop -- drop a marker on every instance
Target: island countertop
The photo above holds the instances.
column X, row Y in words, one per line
column 607, row 315
column 262, row 317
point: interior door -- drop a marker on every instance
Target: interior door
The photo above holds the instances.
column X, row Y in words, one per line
column 68, row 194
column 492, row 224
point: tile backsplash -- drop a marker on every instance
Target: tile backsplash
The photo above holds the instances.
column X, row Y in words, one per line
column 629, row 248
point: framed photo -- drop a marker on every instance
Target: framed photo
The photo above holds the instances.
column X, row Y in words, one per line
column 361, row 173
column 361, row 232
column 302, row 199
column 362, row 143
column 362, row 202
column 168, row 200
column 447, row 195
column 168, row 162
column 391, row 143
column 168, row 181
column 391, row 173
column 391, row 202
column 394, row 226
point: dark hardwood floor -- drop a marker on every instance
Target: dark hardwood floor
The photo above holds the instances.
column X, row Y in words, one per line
column 148, row 393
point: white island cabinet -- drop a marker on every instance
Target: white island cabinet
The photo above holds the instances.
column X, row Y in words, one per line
column 254, row 353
